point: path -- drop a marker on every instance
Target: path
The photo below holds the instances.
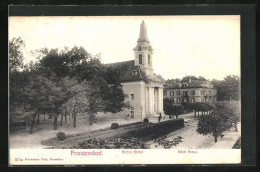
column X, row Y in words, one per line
column 193, row 140
column 24, row 140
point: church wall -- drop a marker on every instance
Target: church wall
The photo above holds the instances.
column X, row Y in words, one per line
column 138, row 103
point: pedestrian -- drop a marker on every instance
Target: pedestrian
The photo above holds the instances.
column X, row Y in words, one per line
column 160, row 117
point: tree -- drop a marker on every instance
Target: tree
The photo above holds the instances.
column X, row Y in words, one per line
column 16, row 54
column 178, row 110
column 201, row 107
column 186, row 78
column 168, row 107
column 232, row 111
column 44, row 95
column 77, row 99
column 228, row 89
column 213, row 124
column 196, row 107
column 112, row 93
column 67, row 81
column 201, row 78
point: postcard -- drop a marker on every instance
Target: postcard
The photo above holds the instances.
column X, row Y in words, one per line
column 115, row 90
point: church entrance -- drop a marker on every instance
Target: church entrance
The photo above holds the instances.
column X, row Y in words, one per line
column 154, row 101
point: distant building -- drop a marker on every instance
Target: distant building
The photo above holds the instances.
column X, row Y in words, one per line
column 191, row 90
column 143, row 87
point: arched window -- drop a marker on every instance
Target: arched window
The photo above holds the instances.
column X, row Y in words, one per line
column 140, row 59
column 149, row 59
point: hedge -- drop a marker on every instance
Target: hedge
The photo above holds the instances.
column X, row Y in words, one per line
column 152, row 131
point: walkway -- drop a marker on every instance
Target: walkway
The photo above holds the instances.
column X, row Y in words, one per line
column 24, row 140
column 192, row 140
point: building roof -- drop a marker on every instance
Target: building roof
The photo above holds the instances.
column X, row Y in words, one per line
column 128, row 71
column 192, row 84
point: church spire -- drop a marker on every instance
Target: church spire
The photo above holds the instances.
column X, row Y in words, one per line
column 143, row 33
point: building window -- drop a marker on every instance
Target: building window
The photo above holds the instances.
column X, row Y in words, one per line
column 132, row 112
column 178, row 93
column 132, row 96
column 178, row 100
column 139, row 48
column 192, row 92
column 209, row 92
column 193, row 100
column 140, row 59
column 171, row 93
column 201, row 92
column 149, row 59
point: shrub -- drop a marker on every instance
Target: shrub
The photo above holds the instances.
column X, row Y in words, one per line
column 114, row 125
column 61, row 136
column 146, row 120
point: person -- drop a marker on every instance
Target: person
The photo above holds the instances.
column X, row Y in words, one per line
column 160, row 117
column 127, row 117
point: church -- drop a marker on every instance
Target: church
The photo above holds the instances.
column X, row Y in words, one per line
column 144, row 89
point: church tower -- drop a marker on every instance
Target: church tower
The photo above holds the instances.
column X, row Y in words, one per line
column 143, row 51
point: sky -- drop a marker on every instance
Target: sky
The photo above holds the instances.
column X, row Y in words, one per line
column 207, row 46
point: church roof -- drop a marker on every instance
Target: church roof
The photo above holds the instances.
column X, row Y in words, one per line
column 156, row 78
column 128, row 71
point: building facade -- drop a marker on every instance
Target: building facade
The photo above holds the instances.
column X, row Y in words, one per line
column 191, row 91
column 142, row 86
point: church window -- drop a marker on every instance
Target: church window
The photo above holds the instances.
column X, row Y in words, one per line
column 132, row 97
column 149, row 59
column 134, row 72
column 140, row 59
column 139, row 48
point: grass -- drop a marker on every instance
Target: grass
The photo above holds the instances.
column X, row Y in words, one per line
column 74, row 139
column 139, row 130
